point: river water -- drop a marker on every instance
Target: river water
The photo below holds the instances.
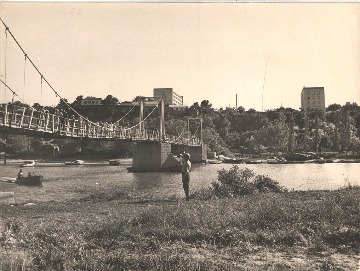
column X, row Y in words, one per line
column 63, row 183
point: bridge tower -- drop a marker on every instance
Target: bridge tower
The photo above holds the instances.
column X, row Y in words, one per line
column 154, row 155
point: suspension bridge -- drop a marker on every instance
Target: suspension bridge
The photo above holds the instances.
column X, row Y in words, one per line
column 19, row 118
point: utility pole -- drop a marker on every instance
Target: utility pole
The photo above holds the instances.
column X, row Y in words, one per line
column 162, row 118
column 141, row 116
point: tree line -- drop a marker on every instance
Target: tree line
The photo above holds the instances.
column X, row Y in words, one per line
column 236, row 130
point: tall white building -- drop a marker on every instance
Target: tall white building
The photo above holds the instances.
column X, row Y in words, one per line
column 170, row 97
column 313, row 98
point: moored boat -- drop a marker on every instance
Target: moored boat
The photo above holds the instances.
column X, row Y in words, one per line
column 114, row 162
column 30, row 180
column 254, row 161
column 275, row 160
column 213, row 161
column 74, row 163
column 28, row 163
column 233, row 160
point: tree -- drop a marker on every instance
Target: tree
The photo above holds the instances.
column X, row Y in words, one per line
column 317, row 137
column 62, row 105
column 241, row 109
column 110, row 101
column 291, row 140
column 176, row 127
column 354, row 144
column 78, row 100
column 307, row 138
column 274, row 135
column 138, row 98
column 333, row 107
column 214, row 142
column 37, row 106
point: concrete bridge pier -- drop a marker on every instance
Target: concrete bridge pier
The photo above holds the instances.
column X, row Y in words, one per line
column 154, row 156
column 198, row 154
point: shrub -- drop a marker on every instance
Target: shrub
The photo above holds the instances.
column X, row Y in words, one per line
column 265, row 184
column 237, row 182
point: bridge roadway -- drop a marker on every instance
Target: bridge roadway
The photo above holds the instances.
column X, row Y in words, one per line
column 31, row 122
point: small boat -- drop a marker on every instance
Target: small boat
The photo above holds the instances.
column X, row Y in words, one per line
column 74, row 163
column 213, row 161
column 254, row 162
column 275, row 160
column 28, row 163
column 30, row 180
column 233, row 160
column 319, row 160
column 114, row 162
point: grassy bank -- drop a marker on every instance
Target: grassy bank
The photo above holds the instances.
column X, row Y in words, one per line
column 316, row 230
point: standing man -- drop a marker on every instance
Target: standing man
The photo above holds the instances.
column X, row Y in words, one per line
column 20, row 174
column 186, row 167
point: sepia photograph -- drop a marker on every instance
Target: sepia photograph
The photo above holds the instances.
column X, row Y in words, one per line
column 179, row 136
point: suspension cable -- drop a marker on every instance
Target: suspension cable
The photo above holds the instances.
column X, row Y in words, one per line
column 181, row 135
column 32, row 63
column 43, row 78
column 6, row 29
column 125, row 115
column 13, row 92
column 141, row 121
column 41, row 88
column 24, row 78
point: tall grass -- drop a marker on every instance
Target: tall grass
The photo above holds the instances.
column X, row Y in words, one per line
column 217, row 234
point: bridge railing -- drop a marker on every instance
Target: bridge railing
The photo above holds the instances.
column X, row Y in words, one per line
column 30, row 119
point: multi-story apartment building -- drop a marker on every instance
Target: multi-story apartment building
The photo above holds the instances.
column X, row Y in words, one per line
column 170, row 97
column 313, row 98
column 91, row 101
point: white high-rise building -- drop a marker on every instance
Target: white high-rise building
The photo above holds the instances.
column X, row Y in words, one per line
column 170, row 97
column 313, row 98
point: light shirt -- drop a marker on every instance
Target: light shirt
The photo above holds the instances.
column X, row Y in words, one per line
column 186, row 166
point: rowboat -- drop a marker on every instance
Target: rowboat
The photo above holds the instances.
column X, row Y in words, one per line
column 114, row 162
column 28, row 163
column 234, row 160
column 213, row 161
column 30, row 180
column 74, row 163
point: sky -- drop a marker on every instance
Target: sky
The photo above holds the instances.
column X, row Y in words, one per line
column 263, row 52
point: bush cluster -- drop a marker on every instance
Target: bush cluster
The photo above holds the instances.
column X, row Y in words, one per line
column 237, row 182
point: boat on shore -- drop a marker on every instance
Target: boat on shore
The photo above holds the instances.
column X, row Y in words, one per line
column 28, row 163
column 213, row 161
column 300, row 157
column 114, row 162
column 30, row 180
column 254, row 161
column 275, row 160
column 74, row 163
column 234, row 160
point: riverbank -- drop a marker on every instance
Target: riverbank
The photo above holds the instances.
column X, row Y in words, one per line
column 309, row 230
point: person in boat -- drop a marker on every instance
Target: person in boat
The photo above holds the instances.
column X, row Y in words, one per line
column 29, row 174
column 20, row 174
column 185, row 173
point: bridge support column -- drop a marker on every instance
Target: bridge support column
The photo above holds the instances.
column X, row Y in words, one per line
column 154, row 156
column 3, row 147
column 198, row 154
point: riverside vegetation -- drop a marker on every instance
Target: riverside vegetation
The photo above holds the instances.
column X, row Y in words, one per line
column 241, row 222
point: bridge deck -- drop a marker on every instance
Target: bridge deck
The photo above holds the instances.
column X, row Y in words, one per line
column 28, row 121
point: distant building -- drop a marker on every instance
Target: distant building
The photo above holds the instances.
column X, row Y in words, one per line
column 91, row 101
column 171, row 98
column 178, row 107
column 313, row 98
